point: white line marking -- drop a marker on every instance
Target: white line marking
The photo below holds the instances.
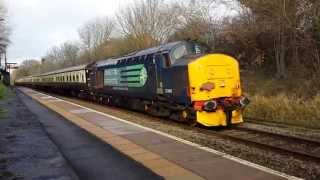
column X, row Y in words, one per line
column 55, row 100
column 227, row 156
column 46, row 97
column 80, row 111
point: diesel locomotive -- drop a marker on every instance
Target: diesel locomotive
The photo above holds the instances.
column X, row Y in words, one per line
column 175, row 80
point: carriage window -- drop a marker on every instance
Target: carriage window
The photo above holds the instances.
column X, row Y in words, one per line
column 77, row 78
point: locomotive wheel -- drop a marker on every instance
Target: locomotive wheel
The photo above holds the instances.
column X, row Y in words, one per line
column 228, row 118
column 192, row 122
column 191, row 119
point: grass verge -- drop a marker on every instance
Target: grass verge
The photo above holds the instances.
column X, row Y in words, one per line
column 3, row 94
column 3, row 91
column 286, row 110
column 290, row 101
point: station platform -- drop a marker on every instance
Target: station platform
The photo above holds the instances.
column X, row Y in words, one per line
column 165, row 155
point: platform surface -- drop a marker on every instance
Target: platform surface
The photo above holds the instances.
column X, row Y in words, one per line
column 85, row 155
column 167, row 156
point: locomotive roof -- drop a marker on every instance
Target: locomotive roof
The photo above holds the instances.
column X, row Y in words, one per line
column 161, row 48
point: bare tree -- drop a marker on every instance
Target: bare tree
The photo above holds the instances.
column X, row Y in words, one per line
column 148, row 22
column 27, row 68
column 70, row 52
column 61, row 56
column 54, row 55
column 199, row 20
column 4, row 29
column 94, row 34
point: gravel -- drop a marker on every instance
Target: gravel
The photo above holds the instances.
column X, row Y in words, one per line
column 279, row 162
column 299, row 132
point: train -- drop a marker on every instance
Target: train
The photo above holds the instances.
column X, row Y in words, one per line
column 177, row 80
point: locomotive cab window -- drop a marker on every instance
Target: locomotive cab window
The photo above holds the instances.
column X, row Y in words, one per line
column 178, row 53
column 183, row 50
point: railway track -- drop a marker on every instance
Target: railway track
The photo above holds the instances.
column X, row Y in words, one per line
column 303, row 149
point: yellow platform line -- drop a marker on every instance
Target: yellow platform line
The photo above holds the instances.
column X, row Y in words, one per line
column 153, row 161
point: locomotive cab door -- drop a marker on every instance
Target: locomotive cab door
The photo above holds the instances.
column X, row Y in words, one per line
column 95, row 80
column 172, row 80
column 99, row 79
column 160, row 62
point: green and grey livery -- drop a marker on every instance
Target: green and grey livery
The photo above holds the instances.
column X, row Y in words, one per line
column 128, row 76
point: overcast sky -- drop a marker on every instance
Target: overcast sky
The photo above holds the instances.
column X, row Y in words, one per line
column 38, row 25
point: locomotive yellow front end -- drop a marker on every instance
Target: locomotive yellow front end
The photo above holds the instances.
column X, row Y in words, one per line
column 215, row 90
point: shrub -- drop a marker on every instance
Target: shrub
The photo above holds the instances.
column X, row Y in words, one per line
column 3, row 91
column 286, row 109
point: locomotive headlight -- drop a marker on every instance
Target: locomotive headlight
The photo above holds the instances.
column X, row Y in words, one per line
column 210, row 105
column 244, row 102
